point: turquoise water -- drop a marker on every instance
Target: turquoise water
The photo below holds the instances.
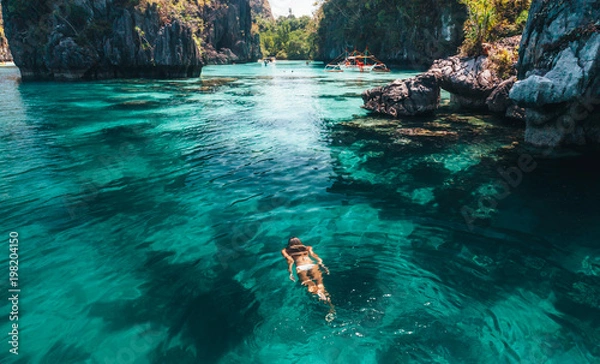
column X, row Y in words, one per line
column 151, row 215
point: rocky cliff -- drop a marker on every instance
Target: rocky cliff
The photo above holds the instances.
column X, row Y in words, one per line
column 62, row 40
column 559, row 72
column 5, row 55
column 228, row 33
column 90, row 39
column 411, row 33
column 556, row 90
column 261, row 8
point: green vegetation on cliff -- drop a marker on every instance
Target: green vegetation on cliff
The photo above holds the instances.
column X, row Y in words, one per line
column 189, row 12
column 288, row 37
column 491, row 20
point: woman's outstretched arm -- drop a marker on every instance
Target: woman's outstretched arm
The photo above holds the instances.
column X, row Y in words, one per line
column 318, row 258
column 290, row 264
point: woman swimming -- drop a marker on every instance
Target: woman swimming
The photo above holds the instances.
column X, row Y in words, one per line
column 308, row 272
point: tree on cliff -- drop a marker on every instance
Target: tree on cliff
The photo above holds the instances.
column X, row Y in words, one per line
column 490, row 20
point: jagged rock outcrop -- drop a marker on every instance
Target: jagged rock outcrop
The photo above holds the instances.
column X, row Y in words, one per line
column 5, row 55
column 473, row 83
column 228, row 33
column 414, row 96
column 410, row 33
column 498, row 101
column 261, row 8
column 558, row 71
column 470, row 81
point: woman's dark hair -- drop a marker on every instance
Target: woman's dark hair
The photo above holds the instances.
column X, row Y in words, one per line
column 294, row 242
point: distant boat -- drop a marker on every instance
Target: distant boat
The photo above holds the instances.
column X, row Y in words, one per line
column 356, row 62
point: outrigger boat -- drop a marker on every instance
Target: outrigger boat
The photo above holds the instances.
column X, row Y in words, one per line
column 356, row 62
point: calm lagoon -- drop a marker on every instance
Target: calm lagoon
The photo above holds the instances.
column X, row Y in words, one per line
column 151, row 215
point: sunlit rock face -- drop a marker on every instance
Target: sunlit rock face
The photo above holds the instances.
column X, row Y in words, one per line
column 558, row 67
column 5, row 55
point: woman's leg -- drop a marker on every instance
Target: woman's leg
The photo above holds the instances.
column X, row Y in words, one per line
column 306, row 281
column 316, row 274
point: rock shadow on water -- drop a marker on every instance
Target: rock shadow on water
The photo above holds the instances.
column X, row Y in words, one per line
column 118, row 135
column 333, row 98
column 204, row 318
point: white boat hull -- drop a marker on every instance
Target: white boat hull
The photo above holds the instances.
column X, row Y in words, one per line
column 353, row 68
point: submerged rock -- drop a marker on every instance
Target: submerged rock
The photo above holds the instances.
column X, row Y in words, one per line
column 421, row 132
column 414, row 96
column 559, row 69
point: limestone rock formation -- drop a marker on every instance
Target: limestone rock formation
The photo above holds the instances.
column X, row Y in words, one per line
column 261, row 8
column 473, row 83
column 414, row 96
column 410, row 33
column 5, row 55
column 559, row 69
column 228, row 33
column 498, row 101
column 470, row 81
column 89, row 39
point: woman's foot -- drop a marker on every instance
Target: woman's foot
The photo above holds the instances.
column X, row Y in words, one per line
column 322, row 296
column 322, row 293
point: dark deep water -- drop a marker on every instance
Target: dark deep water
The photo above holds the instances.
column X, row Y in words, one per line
column 151, row 215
